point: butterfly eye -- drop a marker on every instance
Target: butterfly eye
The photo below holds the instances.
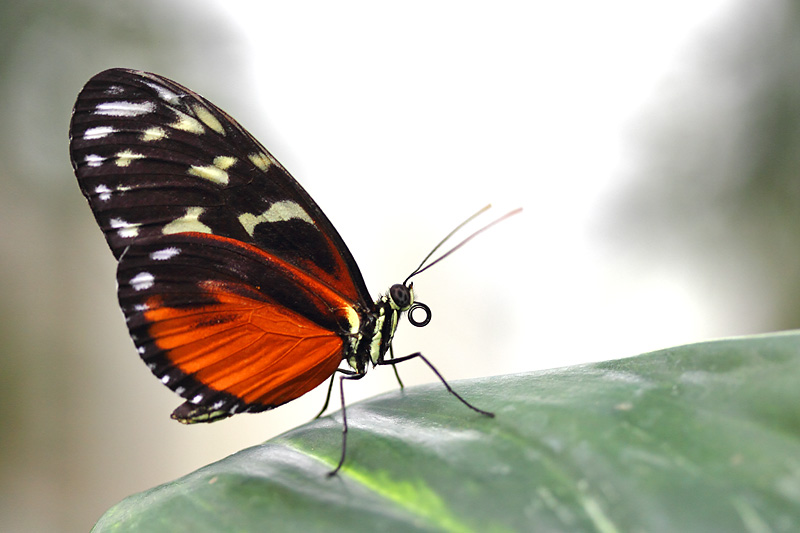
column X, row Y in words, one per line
column 400, row 295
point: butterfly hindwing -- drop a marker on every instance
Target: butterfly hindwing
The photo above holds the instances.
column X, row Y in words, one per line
column 245, row 334
column 237, row 290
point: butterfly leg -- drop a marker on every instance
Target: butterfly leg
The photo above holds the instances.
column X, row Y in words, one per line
column 394, row 367
column 327, row 397
column 348, row 374
column 394, row 361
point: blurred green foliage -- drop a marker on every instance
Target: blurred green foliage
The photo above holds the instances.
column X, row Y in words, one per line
column 717, row 181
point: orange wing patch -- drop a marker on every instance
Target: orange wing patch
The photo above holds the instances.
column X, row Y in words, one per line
column 259, row 352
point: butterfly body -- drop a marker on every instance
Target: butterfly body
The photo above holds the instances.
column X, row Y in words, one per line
column 237, row 290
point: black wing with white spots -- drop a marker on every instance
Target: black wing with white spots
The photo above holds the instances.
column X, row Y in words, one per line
column 156, row 159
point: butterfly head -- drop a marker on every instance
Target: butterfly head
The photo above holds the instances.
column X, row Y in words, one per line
column 401, row 298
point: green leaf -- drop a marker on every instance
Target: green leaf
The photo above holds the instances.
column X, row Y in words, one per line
column 697, row 438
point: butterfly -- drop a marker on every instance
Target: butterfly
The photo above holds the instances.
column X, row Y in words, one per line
column 237, row 290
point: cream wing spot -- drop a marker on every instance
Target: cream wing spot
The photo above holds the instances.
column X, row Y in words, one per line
column 142, row 281
column 261, row 160
column 224, row 162
column 353, row 320
column 208, row 119
column 277, row 212
column 187, row 223
column 187, row 123
column 125, row 157
column 216, row 172
column 153, row 134
column 211, row 173
column 123, row 108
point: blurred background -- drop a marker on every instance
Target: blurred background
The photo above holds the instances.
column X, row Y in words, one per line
column 653, row 146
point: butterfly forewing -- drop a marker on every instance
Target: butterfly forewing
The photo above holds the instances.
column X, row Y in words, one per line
column 155, row 158
column 237, row 290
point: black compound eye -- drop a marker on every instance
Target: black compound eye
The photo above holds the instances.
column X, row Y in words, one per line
column 400, row 295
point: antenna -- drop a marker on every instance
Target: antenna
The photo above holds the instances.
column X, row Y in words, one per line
column 422, row 267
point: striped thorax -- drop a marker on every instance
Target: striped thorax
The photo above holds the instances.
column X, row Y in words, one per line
column 372, row 341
